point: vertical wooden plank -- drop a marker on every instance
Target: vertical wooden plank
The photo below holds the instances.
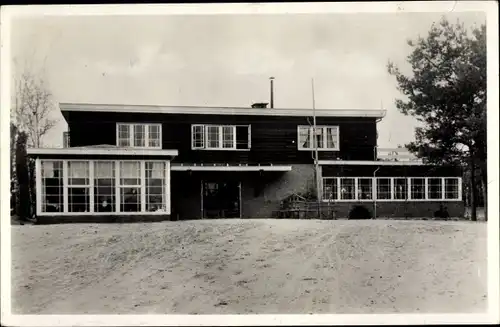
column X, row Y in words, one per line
column 65, row 186
column 38, row 185
column 91, row 185
column 167, row 188
column 117, row 186
column 442, row 188
column 143, row 185
column 427, row 188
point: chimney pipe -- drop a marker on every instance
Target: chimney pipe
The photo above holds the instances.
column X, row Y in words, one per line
column 272, row 91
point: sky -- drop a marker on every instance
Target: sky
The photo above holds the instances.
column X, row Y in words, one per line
column 226, row 60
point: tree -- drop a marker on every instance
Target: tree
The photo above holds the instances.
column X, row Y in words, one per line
column 32, row 106
column 446, row 92
column 23, row 178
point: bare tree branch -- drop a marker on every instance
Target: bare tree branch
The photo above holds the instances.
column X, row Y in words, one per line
column 32, row 106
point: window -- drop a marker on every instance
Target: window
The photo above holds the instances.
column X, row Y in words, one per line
column 400, row 188
column 365, row 189
column 104, row 186
column 347, row 189
column 330, row 191
column 124, row 135
column 223, row 137
column 78, row 186
column 417, row 188
column 130, row 186
column 198, row 137
column 383, row 188
column 325, row 137
column 154, row 136
column 155, row 186
column 139, row 135
column 451, row 188
column 228, row 137
column 213, row 133
column 435, row 188
column 52, row 186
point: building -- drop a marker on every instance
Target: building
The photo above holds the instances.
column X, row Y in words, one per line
column 135, row 162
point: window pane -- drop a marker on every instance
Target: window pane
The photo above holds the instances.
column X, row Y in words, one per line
column 331, row 137
column 318, row 137
column 52, row 186
column 451, row 189
column 130, row 173
column 104, row 195
column 304, row 137
column 154, row 136
column 383, row 188
column 123, row 135
column 227, row 137
column 435, row 188
column 104, row 169
column 139, row 135
column 78, row 199
column 104, row 186
column 213, row 137
column 130, row 199
column 365, row 189
column 400, row 189
column 155, row 186
column 198, row 136
column 78, row 172
column 330, row 189
column 418, row 188
column 347, row 189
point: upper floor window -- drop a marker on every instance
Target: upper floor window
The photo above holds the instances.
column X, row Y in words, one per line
column 324, row 137
column 220, row 137
column 139, row 135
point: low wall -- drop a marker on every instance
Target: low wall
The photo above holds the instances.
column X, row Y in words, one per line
column 69, row 219
column 399, row 209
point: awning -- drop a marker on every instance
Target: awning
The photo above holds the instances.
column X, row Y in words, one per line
column 215, row 167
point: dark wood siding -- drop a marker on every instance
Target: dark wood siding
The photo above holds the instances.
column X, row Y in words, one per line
column 274, row 139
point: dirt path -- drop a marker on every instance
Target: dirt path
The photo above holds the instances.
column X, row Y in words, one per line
column 251, row 266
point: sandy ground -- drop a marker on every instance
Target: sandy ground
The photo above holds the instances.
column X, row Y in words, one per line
column 250, row 266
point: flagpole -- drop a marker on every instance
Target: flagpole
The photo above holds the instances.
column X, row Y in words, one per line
column 315, row 142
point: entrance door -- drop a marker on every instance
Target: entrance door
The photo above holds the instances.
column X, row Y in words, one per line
column 221, row 199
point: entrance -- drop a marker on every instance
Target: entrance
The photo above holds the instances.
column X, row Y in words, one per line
column 221, row 199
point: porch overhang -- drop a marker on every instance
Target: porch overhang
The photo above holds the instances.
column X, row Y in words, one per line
column 222, row 168
column 96, row 152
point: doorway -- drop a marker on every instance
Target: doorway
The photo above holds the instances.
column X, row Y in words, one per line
column 221, row 199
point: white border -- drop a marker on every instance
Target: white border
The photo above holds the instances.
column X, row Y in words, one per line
column 300, row 147
column 118, row 186
column 489, row 7
column 392, row 199
column 103, row 151
column 241, row 111
column 132, row 134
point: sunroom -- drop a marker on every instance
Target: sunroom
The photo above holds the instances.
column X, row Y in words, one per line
column 102, row 181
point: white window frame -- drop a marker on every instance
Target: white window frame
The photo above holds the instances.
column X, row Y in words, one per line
column 91, row 185
column 392, row 194
column 94, row 178
column 220, row 128
column 131, row 138
column 322, row 147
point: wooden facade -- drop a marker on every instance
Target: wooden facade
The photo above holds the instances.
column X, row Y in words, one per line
column 273, row 138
